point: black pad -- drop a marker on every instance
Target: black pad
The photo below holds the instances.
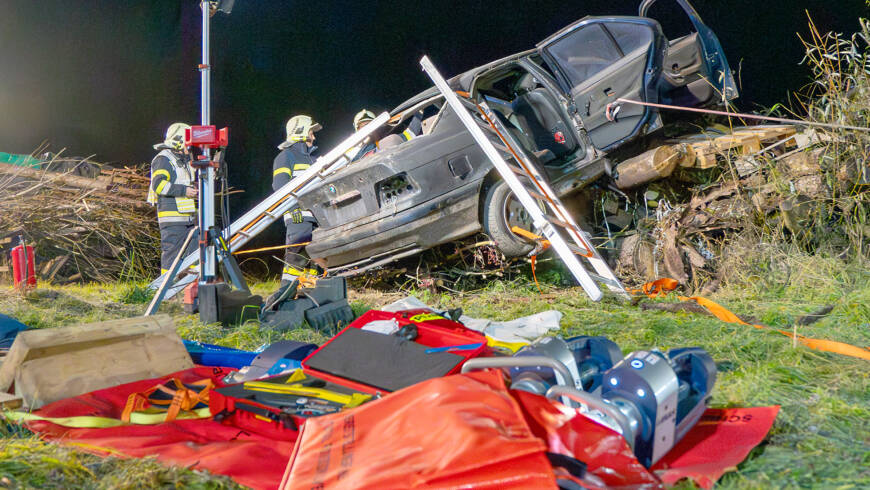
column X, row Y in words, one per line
column 383, row 361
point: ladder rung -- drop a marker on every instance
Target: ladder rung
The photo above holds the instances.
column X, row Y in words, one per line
column 609, row 282
column 557, row 221
column 538, row 196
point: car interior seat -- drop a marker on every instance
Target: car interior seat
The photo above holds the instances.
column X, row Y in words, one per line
column 518, row 132
column 534, row 110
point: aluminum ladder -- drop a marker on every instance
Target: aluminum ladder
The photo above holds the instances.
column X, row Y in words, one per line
column 531, row 193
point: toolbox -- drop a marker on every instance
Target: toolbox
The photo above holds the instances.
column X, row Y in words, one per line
column 353, row 367
column 376, row 363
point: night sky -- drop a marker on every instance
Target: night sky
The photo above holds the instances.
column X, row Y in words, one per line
column 107, row 77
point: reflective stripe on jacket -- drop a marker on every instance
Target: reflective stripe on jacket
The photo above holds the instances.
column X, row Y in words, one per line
column 171, row 175
column 293, row 159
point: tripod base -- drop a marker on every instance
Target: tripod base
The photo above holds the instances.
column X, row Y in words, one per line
column 218, row 302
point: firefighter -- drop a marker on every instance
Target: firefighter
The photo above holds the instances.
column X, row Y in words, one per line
column 173, row 191
column 414, row 128
column 363, row 149
column 297, row 154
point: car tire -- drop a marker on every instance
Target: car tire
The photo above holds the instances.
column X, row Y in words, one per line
column 501, row 211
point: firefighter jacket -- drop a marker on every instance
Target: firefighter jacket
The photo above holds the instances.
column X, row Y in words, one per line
column 293, row 159
column 171, row 175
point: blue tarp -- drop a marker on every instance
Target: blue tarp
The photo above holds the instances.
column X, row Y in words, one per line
column 9, row 328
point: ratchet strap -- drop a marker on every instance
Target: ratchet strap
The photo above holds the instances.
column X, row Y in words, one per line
column 663, row 286
column 91, row 422
column 169, row 400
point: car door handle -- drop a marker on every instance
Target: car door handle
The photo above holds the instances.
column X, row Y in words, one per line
column 588, row 105
column 608, row 91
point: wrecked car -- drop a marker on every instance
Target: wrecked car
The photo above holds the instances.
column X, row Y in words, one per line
column 439, row 186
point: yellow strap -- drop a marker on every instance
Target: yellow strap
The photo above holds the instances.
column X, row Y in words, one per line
column 408, row 135
column 663, row 286
column 90, row 422
column 264, row 249
column 293, row 271
column 162, row 185
column 282, row 170
column 301, row 166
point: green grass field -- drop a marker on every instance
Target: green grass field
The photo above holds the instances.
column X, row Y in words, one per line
column 821, row 437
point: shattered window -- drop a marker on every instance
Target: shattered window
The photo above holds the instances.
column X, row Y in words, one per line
column 630, row 37
column 584, row 52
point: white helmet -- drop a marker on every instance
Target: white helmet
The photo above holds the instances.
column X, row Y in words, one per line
column 299, row 126
column 362, row 116
column 174, row 136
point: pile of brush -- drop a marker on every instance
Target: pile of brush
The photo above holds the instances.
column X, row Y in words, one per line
column 86, row 221
column 814, row 198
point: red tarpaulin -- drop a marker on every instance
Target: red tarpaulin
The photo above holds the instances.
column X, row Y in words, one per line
column 248, row 458
column 462, row 428
column 463, row 431
column 717, row 443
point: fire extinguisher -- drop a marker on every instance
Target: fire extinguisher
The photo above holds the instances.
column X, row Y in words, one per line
column 23, row 266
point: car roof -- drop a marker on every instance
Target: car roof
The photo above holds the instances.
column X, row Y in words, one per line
column 462, row 81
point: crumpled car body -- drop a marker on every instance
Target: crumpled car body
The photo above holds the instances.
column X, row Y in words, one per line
column 439, row 187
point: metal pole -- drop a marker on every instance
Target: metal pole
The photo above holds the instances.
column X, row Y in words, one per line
column 206, row 178
column 173, row 270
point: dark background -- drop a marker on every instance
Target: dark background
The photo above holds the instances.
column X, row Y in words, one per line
column 107, row 77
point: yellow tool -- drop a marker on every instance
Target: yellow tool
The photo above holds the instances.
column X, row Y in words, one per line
column 509, row 347
column 292, row 386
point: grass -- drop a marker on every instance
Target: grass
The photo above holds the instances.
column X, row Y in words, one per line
column 821, row 437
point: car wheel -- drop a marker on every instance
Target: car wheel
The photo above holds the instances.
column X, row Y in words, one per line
column 501, row 211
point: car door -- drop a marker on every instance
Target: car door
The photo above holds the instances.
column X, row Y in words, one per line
column 599, row 60
column 695, row 70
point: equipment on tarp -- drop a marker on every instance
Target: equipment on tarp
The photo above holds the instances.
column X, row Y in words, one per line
column 372, row 361
column 530, row 194
column 279, row 202
column 651, row 398
column 50, row 364
column 324, row 306
column 217, row 355
column 454, row 432
column 278, row 358
column 280, row 400
column 585, row 357
column 170, row 400
column 23, row 266
column 664, row 395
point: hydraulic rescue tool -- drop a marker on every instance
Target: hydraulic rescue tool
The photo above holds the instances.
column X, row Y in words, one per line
column 651, row 398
